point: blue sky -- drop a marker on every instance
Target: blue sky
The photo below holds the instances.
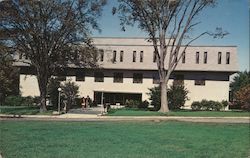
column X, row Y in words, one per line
column 231, row 15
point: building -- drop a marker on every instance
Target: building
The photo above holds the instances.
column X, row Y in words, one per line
column 128, row 70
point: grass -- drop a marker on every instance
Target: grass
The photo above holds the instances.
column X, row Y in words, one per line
column 137, row 112
column 37, row 139
column 22, row 110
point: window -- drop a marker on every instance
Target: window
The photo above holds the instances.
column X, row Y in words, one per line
column 178, row 80
column 137, row 78
column 114, row 56
column 134, row 56
column 80, row 76
column 121, row 56
column 184, row 57
column 228, row 58
column 118, row 77
column 197, row 57
column 61, row 78
column 156, row 79
column 154, row 57
column 141, row 56
column 219, row 57
column 200, row 82
column 99, row 77
column 205, row 57
column 175, row 57
column 101, row 54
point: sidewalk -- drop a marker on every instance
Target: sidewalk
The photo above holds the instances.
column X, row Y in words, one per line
column 93, row 117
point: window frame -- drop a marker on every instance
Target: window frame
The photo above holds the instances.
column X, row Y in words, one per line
column 98, row 77
column 228, row 58
column 197, row 57
column 121, row 55
column 134, row 56
column 118, row 77
column 205, row 58
column 137, row 78
column 219, row 57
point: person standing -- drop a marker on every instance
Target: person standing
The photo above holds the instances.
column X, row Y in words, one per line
column 83, row 103
column 87, row 101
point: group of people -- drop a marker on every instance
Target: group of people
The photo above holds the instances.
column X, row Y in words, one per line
column 85, row 102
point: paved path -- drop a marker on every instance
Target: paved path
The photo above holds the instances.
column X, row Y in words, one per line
column 93, row 117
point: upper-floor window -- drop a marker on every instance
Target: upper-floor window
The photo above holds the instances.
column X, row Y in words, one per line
column 197, row 58
column 134, row 56
column 114, row 56
column 137, row 78
column 228, row 58
column 101, row 53
column 141, row 56
column 121, row 55
column 219, row 57
column 184, row 57
column 205, row 57
column 80, row 76
column 175, row 57
column 118, row 77
column 99, row 77
column 154, row 57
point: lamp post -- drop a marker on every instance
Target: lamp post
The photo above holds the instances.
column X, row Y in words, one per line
column 59, row 97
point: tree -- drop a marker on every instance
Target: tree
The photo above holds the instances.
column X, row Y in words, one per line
column 240, row 80
column 52, row 34
column 242, row 97
column 70, row 92
column 177, row 96
column 161, row 19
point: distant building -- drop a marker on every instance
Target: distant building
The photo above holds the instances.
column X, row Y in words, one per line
column 128, row 70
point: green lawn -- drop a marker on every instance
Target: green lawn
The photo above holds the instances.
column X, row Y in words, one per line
column 22, row 110
column 137, row 112
column 37, row 139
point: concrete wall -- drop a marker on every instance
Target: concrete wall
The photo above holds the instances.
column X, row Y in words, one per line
column 216, row 86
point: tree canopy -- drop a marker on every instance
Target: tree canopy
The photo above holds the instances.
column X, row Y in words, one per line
column 51, row 34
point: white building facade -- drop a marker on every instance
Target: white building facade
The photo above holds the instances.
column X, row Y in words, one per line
column 128, row 69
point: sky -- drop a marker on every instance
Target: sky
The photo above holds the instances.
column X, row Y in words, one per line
column 231, row 15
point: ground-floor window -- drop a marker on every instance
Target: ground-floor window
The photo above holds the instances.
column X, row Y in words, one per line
column 137, row 78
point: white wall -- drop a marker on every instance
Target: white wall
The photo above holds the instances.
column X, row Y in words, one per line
column 213, row 90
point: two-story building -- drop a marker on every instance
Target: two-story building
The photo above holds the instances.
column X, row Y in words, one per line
column 128, row 69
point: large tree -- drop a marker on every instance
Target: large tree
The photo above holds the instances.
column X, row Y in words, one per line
column 49, row 33
column 168, row 24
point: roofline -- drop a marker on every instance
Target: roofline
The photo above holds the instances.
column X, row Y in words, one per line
column 150, row 45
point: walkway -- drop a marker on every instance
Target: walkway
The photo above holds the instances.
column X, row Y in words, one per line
column 94, row 117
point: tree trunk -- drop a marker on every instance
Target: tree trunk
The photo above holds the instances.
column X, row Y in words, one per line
column 42, row 82
column 164, row 99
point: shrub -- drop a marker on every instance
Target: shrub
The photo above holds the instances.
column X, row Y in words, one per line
column 196, row 106
column 93, row 103
column 28, row 101
column 155, row 97
column 206, row 105
column 132, row 103
column 224, row 103
column 14, row 100
column 143, row 105
column 177, row 96
column 70, row 92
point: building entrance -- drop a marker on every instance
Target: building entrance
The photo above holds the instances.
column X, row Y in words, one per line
column 116, row 98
